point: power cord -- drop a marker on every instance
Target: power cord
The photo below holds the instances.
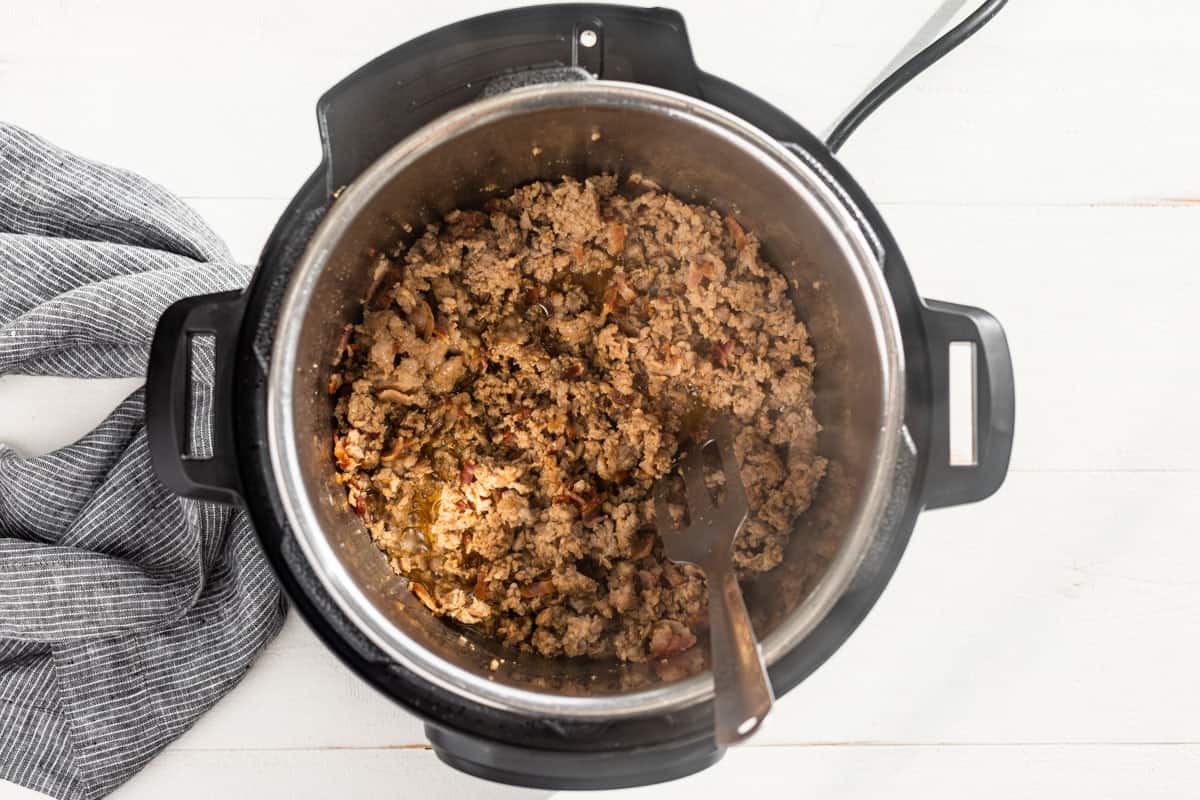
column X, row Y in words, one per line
column 911, row 69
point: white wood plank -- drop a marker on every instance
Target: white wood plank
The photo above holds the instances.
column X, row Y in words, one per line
column 1034, row 110
column 243, row 223
column 1099, row 307
column 982, row 773
column 1114, row 772
column 38, row 415
column 300, row 695
column 1054, row 612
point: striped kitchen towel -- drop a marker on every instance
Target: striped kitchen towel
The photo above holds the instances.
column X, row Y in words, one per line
column 125, row 612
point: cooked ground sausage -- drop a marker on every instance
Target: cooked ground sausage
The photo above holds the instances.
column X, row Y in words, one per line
column 522, row 378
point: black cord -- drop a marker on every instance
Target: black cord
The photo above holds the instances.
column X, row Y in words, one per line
column 911, row 69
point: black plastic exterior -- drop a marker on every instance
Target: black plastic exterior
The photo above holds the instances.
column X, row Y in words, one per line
column 995, row 406
column 567, row 770
column 168, row 392
column 423, row 79
column 360, row 119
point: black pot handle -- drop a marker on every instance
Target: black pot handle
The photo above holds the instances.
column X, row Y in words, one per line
column 168, row 394
column 947, row 484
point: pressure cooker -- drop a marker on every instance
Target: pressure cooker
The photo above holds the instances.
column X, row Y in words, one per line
column 473, row 110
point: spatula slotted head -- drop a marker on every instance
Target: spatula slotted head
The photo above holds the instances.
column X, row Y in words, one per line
column 713, row 528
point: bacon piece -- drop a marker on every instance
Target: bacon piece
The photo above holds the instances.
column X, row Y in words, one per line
column 736, row 231
column 481, row 582
column 537, row 589
column 425, row 596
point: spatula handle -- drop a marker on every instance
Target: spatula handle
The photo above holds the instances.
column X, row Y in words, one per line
column 743, row 689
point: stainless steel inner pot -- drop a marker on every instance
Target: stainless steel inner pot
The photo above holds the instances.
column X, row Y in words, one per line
column 698, row 152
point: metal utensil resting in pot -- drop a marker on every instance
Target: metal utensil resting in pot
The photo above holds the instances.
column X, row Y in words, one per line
column 413, row 135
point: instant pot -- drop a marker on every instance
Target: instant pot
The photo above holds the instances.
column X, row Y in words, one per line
column 466, row 113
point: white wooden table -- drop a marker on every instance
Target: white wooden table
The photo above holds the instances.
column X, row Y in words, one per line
column 1044, row 643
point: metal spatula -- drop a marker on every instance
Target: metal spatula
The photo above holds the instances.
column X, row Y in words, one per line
column 743, row 689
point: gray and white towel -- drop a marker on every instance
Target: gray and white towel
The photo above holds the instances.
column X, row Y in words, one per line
column 125, row 612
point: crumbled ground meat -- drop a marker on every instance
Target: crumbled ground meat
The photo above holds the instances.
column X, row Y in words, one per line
column 524, row 375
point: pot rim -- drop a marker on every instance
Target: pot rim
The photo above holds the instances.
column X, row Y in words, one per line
column 830, row 206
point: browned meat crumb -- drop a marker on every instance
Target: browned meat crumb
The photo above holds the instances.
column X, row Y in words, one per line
column 523, row 377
